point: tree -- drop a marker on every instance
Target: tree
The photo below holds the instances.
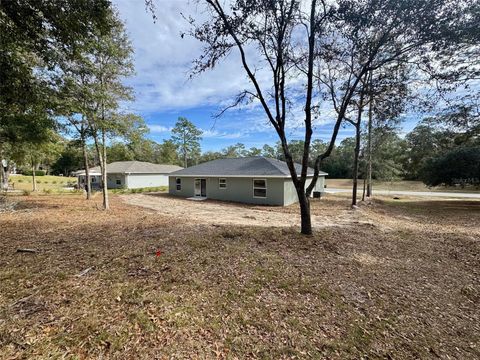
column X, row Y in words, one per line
column 33, row 153
column 105, row 60
column 234, row 151
column 290, row 38
column 462, row 117
column 269, row 26
column 253, row 151
column 210, row 155
column 186, row 136
column 389, row 150
column 168, row 153
column 35, row 35
column 118, row 151
column 269, row 151
column 388, row 95
column 69, row 159
column 460, row 165
column 423, row 142
column 372, row 49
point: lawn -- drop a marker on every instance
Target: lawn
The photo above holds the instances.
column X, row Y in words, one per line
column 398, row 185
column 401, row 280
column 48, row 182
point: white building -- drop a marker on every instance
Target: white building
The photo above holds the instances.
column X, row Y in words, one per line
column 129, row 175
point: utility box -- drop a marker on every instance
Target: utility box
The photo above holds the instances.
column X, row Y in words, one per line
column 317, row 194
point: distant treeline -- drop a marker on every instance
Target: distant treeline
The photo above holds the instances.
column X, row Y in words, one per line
column 430, row 152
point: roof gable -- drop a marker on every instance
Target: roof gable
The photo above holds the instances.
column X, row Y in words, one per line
column 137, row 167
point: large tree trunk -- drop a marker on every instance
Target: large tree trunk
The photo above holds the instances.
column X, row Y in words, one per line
column 355, row 164
column 369, row 149
column 87, row 170
column 364, row 186
column 5, row 175
column 102, row 169
column 106, row 204
column 34, row 179
column 306, row 221
column 358, row 127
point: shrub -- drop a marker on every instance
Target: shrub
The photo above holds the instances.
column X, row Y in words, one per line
column 37, row 172
column 47, row 191
column 26, row 192
column 457, row 166
column 54, row 181
column 20, row 180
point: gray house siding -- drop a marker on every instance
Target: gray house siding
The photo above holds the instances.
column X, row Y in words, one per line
column 135, row 181
column 290, row 194
column 238, row 189
column 186, row 186
column 116, row 181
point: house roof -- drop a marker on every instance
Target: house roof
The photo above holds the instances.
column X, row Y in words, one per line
column 246, row 167
column 135, row 167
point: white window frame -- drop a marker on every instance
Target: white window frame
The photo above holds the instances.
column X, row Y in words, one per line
column 178, row 182
column 260, row 188
column 220, row 183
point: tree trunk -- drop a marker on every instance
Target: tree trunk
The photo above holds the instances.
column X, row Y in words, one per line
column 306, row 221
column 355, row 163
column 364, row 186
column 34, row 180
column 5, row 175
column 184, row 152
column 106, row 204
column 102, row 168
column 369, row 149
column 87, row 170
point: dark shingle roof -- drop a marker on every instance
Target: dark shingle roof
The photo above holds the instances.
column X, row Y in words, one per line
column 248, row 166
column 137, row 167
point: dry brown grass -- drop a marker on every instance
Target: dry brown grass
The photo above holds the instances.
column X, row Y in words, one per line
column 405, row 288
column 398, row 185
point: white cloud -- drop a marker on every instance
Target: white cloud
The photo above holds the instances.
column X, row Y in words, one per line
column 212, row 133
column 163, row 60
column 159, row 128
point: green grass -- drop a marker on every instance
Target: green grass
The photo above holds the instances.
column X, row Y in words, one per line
column 48, row 182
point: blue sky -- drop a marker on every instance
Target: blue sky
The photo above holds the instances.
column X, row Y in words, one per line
column 164, row 90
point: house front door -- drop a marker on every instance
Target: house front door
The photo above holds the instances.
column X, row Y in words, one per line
column 201, row 187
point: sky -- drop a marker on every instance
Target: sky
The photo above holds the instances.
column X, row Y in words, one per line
column 165, row 90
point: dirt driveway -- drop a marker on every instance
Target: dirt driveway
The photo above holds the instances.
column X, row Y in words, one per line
column 217, row 212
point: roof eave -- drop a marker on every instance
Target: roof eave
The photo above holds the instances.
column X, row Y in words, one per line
column 239, row 176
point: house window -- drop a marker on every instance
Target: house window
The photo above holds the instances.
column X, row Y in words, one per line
column 222, row 183
column 259, row 188
column 93, row 179
column 179, row 184
column 119, row 182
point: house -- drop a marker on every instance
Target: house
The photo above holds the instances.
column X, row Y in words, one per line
column 129, row 175
column 255, row 180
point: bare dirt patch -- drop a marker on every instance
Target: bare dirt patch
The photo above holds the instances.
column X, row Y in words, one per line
column 224, row 213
